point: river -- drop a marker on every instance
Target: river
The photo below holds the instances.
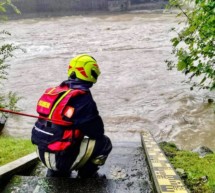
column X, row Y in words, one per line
column 135, row 90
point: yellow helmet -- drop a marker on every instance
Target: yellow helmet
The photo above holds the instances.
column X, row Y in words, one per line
column 85, row 68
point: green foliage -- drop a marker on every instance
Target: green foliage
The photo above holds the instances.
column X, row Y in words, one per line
column 199, row 172
column 4, row 4
column 194, row 44
column 6, row 52
column 170, row 149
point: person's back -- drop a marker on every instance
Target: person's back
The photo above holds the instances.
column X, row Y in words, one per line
column 70, row 133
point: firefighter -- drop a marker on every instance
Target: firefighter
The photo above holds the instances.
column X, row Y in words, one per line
column 69, row 134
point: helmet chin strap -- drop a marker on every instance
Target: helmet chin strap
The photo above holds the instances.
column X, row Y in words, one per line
column 72, row 76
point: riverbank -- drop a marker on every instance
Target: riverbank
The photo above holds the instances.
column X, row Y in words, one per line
column 197, row 172
column 13, row 148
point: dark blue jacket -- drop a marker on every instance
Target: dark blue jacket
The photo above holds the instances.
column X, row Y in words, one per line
column 86, row 116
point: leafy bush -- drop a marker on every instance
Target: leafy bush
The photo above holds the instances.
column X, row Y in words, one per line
column 7, row 100
column 194, row 44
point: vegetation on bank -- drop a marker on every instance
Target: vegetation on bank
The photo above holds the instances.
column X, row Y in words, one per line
column 14, row 148
column 7, row 51
column 194, row 44
column 197, row 173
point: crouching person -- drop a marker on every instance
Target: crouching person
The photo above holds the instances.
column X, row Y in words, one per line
column 70, row 133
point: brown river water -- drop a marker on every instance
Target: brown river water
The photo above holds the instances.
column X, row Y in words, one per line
column 135, row 92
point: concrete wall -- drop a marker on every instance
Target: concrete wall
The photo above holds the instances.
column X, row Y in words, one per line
column 32, row 6
column 41, row 8
column 118, row 5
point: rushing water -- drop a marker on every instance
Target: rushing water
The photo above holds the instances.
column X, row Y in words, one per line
column 134, row 92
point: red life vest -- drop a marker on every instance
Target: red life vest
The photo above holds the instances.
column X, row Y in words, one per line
column 53, row 104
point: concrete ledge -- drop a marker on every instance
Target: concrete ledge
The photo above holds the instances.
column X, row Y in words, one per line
column 125, row 169
column 163, row 175
column 17, row 166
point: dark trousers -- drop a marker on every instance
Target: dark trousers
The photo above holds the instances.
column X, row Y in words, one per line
column 85, row 158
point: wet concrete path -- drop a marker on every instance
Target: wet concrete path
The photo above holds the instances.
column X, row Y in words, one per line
column 125, row 169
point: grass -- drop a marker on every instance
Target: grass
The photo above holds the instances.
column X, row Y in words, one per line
column 199, row 173
column 14, row 148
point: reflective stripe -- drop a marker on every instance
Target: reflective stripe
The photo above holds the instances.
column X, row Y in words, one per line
column 46, row 157
column 38, row 154
column 58, row 101
column 36, row 128
column 50, row 160
column 51, row 90
column 82, row 152
column 86, row 150
column 88, row 153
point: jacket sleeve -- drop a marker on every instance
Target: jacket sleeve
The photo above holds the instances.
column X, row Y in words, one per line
column 86, row 116
column 94, row 128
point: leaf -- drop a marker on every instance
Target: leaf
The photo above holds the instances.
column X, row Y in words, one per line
column 175, row 41
column 2, row 9
column 181, row 65
column 203, row 80
column 192, row 29
column 17, row 11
